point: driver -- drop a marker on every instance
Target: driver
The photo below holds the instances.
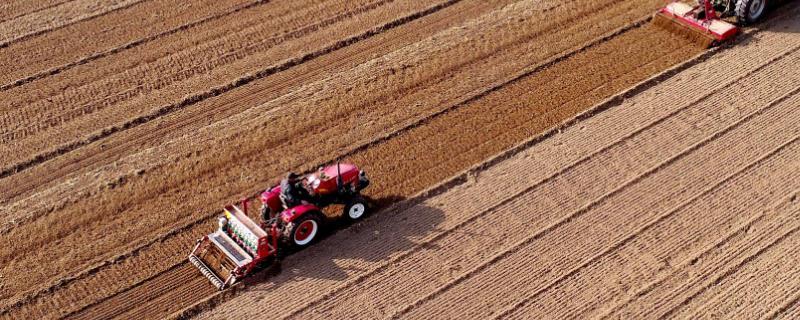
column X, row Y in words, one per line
column 293, row 190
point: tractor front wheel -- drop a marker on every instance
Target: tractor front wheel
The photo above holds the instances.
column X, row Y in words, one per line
column 304, row 230
column 750, row 11
column 356, row 209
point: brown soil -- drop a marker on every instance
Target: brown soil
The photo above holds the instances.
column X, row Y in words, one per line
column 128, row 149
column 56, row 52
column 382, row 159
column 679, row 202
column 51, row 17
column 82, row 102
column 15, row 9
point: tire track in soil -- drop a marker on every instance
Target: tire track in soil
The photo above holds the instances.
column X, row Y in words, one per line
column 505, row 110
column 7, row 13
column 90, row 100
column 11, row 34
column 130, row 45
column 217, row 91
column 715, row 84
column 791, row 236
column 471, row 280
column 375, row 285
column 739, row 244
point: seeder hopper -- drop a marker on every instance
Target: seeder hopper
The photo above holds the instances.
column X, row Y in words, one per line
column 235, row 249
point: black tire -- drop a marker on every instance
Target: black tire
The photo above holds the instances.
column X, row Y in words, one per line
column 300, row 236
column 750, row 11
column 356, row 209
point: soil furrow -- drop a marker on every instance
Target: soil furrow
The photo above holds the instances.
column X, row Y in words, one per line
column 652, row 102
column 790, row 310
column 791, row 237
column 595, row 212
column 194, row 98
column 142, row 40
column 373, row 287
column 29, row 26
column 610, row 89
column 682, row 234
column 180, row 284
column 108, row 279
column 592, row 262
column 16, row 9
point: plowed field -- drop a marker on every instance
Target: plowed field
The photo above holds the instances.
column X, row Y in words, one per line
column 118, row 149
column 611, row 217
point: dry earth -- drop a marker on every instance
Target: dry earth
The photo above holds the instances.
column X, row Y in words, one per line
column 680, row 202
column 118, row 148
column 103, row 195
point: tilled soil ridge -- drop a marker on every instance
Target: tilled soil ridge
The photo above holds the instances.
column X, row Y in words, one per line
column 148, row 171
column 56, row 16
column 666, row 205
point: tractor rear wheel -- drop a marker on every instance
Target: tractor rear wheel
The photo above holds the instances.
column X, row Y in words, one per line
column 750, row 11
column 305, row 230
column 356, row 209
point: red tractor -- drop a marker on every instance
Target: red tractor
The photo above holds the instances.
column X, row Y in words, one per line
column 295, row 205
column 291, row 216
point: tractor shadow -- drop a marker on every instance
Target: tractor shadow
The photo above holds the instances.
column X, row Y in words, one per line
column 341, row 251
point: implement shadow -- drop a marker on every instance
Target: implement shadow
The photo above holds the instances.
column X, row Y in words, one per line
column 341, row 253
